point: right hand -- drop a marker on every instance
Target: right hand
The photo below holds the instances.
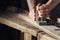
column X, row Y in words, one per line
column 42, row 10
column 32, row 14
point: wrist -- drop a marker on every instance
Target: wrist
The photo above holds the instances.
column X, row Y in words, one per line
column 31, row 10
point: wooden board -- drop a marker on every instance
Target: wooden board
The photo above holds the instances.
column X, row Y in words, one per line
column 26, row 22
column 15, row 22
column 51, row 33
column 46, row 37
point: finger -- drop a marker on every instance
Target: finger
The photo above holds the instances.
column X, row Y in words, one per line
column 37, row 7
column 38, row 4
column 43, row 14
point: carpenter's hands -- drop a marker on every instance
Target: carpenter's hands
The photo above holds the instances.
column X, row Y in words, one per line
column 43, row 10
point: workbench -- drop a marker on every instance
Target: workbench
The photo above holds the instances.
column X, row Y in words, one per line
column 29, row 28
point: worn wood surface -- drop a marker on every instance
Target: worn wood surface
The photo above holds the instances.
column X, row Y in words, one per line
column 27, row 36
column 21, row 22
column 39, row 37
column 17, row 23
column 46, row 37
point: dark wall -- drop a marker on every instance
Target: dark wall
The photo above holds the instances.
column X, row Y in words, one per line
column 8, row 33
column 17, row 3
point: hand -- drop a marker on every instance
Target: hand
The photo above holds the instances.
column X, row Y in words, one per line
column 42, row 10
column 32, row 14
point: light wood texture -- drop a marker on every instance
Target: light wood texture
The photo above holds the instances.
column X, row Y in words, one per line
column 17, row 26
column 39, row 36
column 25, row 24
column 17, row 23
column 46, row 37
column 27, row 36
column 53, row 34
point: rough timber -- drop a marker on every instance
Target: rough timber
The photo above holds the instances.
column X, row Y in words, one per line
column 23, row 23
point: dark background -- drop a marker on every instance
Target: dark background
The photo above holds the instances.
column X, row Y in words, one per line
column 22, row 4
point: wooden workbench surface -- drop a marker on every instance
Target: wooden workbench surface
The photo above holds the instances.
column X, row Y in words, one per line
column 27, row 23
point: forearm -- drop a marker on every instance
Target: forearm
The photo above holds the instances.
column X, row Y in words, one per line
column 31, row 4
column 52, row 3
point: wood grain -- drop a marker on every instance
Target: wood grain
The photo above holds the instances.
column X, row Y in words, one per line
column 22, row 22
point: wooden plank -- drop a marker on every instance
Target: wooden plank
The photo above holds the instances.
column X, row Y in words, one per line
column 30, row 22
column 46, row 37
column 52, row 29
column 27, row 36
column 39, row 36
column 38, row 26
column 17, row 26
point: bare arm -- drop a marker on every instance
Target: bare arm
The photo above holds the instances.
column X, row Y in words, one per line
column 52, row 3
column 31, row 4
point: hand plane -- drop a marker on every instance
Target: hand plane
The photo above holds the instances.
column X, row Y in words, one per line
column 46, row 21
